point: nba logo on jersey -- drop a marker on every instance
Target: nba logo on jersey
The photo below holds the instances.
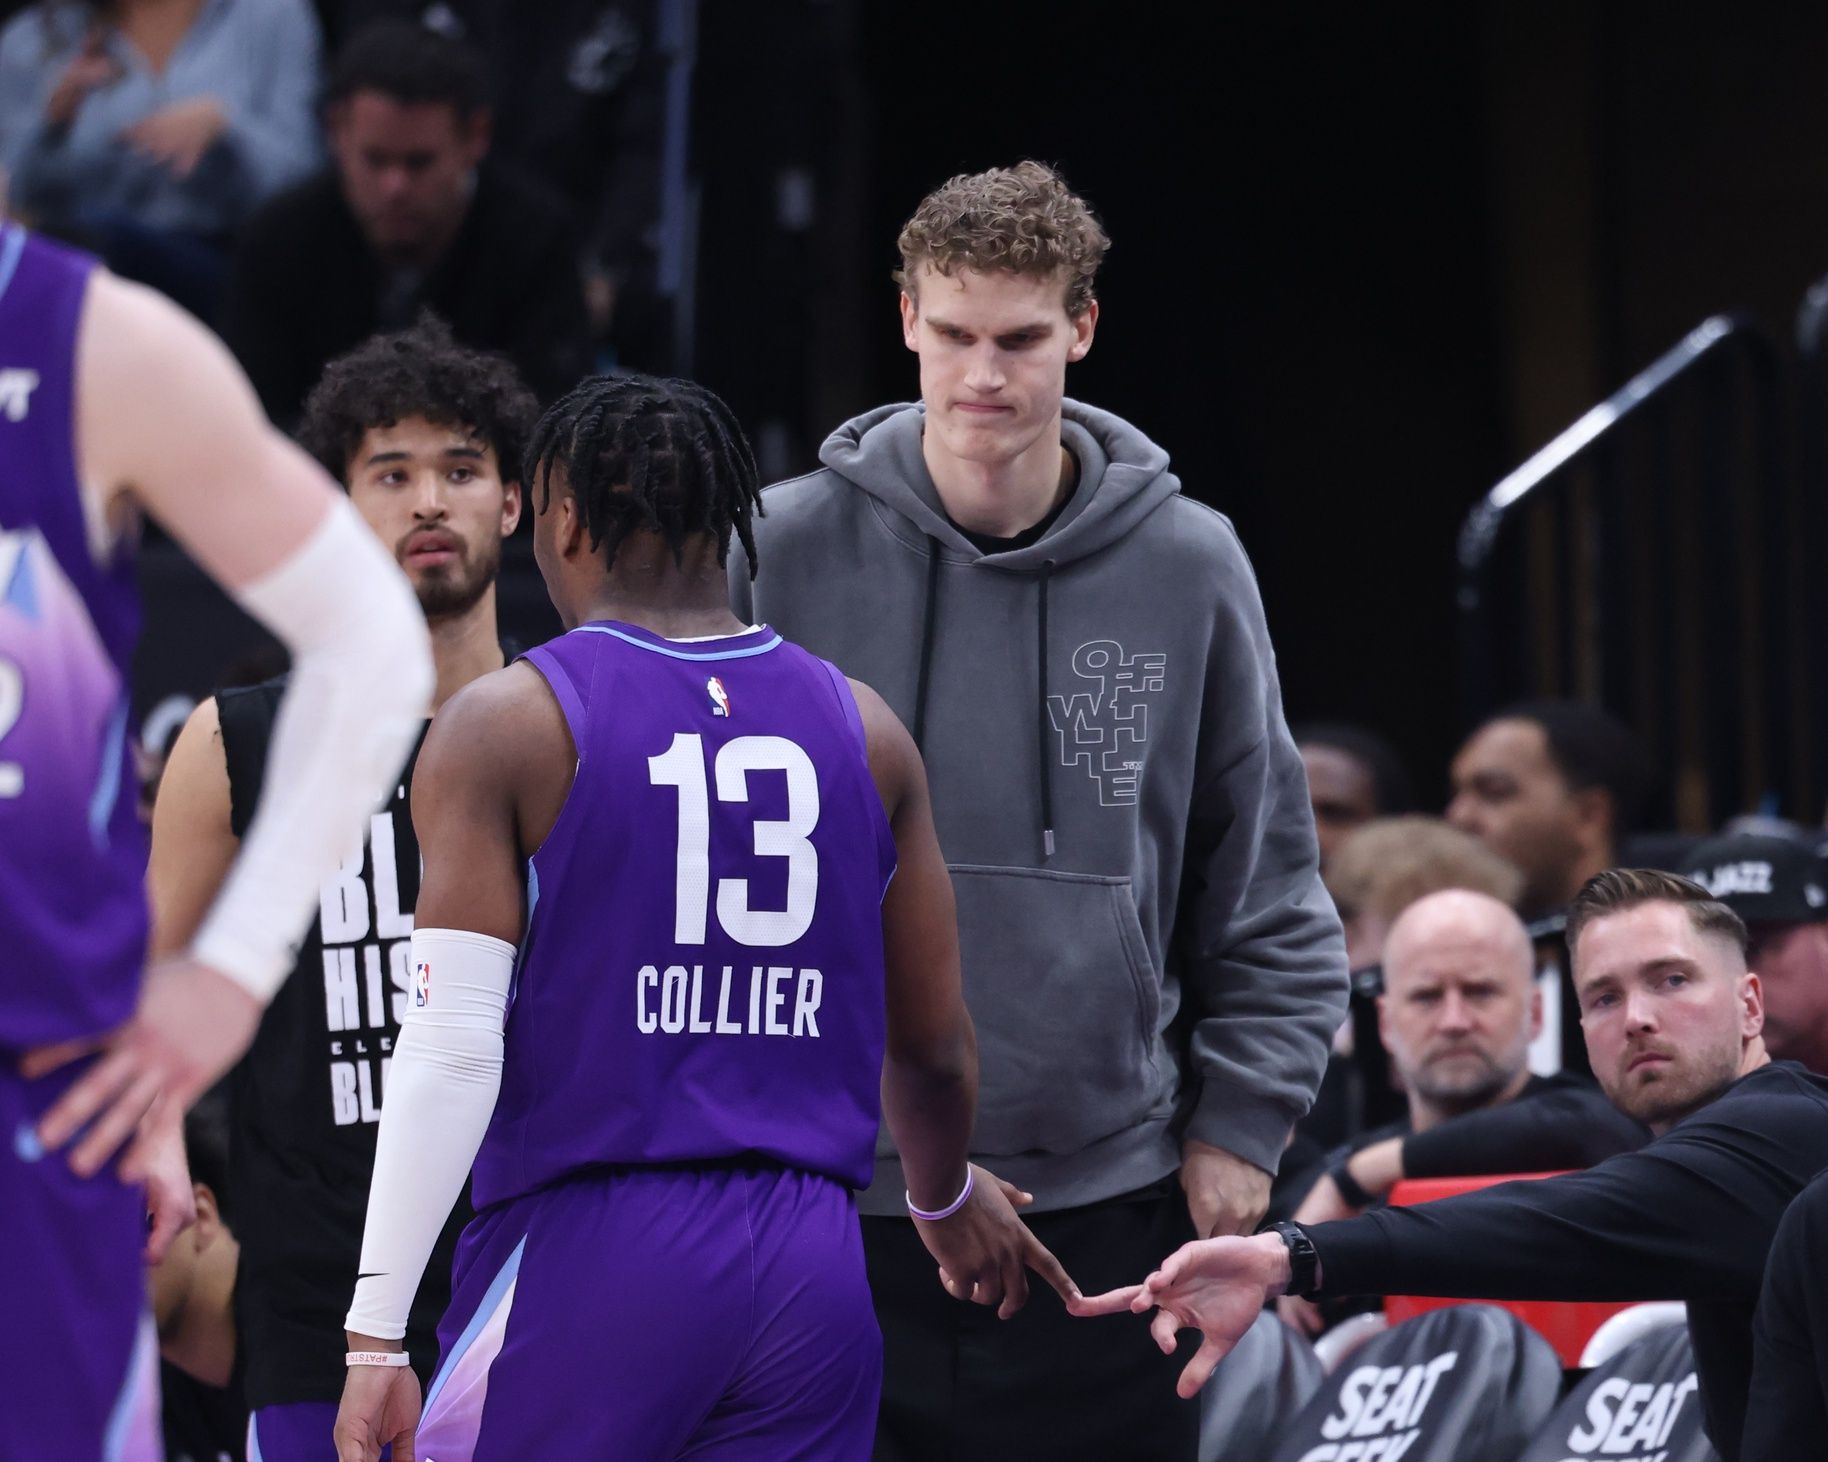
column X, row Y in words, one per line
column 720, row 698
column 422, row 987
column 16, row 387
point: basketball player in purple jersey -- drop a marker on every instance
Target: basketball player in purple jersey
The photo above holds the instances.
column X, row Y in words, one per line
column 112, row 402
column 692, row 870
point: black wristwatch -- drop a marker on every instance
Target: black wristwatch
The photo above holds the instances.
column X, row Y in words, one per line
column 1303, row 1261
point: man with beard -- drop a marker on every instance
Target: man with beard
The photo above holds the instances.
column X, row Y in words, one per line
column 1673, row 1021
column 427, row 437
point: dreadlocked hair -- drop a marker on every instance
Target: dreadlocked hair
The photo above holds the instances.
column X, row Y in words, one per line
column 646, row 452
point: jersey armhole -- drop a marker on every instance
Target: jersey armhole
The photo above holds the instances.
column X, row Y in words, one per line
column 564, row 691
column 848, row 702
column 244, row 717
column 887, row 858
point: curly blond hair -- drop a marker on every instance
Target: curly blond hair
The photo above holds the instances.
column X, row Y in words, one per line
column 1020, row 220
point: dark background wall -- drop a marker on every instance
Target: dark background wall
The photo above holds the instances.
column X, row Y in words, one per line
column 1365, row 260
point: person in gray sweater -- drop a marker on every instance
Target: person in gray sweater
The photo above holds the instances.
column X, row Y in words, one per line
column 1153, row 965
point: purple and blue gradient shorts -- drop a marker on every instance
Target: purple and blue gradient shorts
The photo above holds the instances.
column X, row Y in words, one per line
column 79, row 1363
column 719, row 1314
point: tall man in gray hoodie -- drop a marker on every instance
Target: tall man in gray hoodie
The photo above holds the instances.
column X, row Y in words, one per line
column 1152, row 964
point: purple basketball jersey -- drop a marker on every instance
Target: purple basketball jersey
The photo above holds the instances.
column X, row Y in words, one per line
column 72, row 849
column 702, row 977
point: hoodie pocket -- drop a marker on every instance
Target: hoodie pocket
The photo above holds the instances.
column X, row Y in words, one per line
column 1066, row 1003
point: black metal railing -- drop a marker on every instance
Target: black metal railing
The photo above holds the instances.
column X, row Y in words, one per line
column 1656, row 558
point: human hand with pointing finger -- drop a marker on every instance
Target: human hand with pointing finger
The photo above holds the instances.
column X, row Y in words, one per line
column 985, row 1251
column 1216, row 1286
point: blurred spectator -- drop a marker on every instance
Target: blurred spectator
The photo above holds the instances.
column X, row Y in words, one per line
column 1378, row 871
column 1388, row 864
column 147, row 130
column 1779, row 887
column 1553, row 786
column 1354, row 775
column 580, row 90
column 411, row 215
column 193, row 1306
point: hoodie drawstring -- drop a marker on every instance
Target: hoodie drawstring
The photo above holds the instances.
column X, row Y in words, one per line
column 928, row 619
column 1044, row 723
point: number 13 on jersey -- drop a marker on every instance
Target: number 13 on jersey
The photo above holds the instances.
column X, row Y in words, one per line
column 682, row 766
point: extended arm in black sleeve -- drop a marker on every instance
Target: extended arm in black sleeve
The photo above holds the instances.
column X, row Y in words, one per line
column 1688, row 1217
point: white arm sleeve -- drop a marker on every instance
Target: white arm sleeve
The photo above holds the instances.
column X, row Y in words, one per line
column 440, row 1095
column 361, row 687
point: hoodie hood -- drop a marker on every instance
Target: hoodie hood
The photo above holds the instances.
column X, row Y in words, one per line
column 1123, row 477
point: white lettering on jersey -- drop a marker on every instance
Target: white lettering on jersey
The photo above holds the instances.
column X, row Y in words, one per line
column 674, row 1001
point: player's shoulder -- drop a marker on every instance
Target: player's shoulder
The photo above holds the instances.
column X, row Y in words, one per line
column 514, row 698
column 888, row 743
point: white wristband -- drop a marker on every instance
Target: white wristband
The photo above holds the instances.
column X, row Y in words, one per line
column 376, row 1358
column 951, row 1208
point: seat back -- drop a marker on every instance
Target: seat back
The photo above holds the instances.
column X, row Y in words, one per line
column 1641, row 1406
column 1471, row 1381
column 1266, row 1380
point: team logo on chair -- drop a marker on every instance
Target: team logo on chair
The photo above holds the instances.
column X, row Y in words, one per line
column 422, row 986
column 720, row 698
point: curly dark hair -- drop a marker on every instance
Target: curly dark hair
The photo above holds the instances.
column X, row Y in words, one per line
column 423, row 372
column 645, row 452
column 1020, row 220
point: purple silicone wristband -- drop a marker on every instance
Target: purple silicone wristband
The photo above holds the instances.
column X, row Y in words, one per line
column 951, row 1208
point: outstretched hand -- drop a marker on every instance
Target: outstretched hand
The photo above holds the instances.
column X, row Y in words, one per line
column 1216, row 1286
column 984, row 1250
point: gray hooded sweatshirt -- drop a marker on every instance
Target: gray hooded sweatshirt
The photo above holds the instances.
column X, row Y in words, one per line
column 1147, row 945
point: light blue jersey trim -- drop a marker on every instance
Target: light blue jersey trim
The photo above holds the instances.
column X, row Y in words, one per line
column 254, row 1437
column 678, row 654
column 10, row 254
column 484, row 1313
column 108, row 783
column 121, row 1419
column 520, row 955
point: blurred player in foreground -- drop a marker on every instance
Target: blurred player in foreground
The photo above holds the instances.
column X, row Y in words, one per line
column 112, row 401
column 683, row 862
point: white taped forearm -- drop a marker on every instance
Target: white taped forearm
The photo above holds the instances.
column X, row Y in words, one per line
column 360, row 689
column 440, row 1094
